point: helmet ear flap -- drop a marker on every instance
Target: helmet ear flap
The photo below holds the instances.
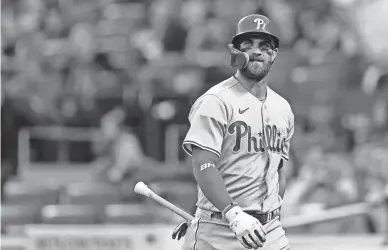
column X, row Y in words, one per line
column 238, row 59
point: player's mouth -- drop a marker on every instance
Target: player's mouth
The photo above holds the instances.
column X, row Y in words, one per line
column 256, row 63
column 256, row 60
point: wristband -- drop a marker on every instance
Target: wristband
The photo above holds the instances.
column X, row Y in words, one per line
column 233, row 212
column 228, row 207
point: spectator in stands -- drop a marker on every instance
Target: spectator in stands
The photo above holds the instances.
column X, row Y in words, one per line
column 206, row 40
column 118, row 150
column 176, row 31
column 120, row 155
column 327, row 179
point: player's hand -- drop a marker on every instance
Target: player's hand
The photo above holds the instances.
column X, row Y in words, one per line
column 247, row 228
column 180, row 230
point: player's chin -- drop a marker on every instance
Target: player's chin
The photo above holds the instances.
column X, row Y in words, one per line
column 255, row 71
column 258, row 68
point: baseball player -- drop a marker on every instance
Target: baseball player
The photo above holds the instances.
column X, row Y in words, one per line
column 239, row 140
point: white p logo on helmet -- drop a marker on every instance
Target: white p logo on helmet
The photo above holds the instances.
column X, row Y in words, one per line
column 260, row 23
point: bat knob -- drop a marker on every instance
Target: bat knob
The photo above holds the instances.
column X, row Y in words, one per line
column 141, row 188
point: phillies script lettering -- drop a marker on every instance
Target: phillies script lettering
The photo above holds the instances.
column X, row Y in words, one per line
column 256, row 142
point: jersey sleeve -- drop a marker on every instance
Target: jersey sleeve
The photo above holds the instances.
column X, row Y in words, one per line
column 290, row 133
column 208, row 121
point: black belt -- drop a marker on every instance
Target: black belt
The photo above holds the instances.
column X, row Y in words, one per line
column 263, row 218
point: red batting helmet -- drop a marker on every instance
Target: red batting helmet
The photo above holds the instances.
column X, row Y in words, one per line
column 249, row 26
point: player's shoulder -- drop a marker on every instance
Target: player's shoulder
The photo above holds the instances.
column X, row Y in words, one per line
column 280, row 101
column 220, row 91
column 216, row 98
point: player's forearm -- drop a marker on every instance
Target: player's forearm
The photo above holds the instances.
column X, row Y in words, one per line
column 213, row 187
column 209, row 178
column 282, row 181
column 282, row 187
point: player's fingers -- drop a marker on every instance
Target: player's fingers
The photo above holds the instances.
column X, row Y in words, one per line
column 174, row 235
column 175, row 232
column 260, row 234
column 182, row 233
column 182, row 227
column 256, row 241
column 248, row 243
column 260, row 230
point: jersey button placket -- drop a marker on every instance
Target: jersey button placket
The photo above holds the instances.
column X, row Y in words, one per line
column 265, row 116
column 266, row 121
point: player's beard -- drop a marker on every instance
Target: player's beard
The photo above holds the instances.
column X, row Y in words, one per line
column 256, row 70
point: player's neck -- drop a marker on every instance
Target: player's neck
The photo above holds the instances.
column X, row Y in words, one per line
column 256, row 88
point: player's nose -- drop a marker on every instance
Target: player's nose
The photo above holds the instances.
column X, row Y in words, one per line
column 256, row 57
column 256, row 53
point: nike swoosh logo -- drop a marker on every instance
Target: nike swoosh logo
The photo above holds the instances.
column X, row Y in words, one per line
column 242, row 111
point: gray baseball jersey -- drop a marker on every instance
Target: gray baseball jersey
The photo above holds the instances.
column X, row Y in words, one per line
column 249, row 136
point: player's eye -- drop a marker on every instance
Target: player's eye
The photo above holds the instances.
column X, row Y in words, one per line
column 246, row 45
column 265, row 46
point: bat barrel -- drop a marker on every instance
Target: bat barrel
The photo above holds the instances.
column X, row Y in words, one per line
column 173, row 207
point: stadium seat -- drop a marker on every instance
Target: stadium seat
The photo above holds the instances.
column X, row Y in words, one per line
column 68, row 214
column 182, row 194
column 128, row 214
column 91, row 193
column 18, row 214
column 16, row 192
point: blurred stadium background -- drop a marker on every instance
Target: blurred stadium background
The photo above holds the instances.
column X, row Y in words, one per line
column 96, row 94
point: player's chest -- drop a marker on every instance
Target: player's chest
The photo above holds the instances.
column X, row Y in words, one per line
column 255, row 128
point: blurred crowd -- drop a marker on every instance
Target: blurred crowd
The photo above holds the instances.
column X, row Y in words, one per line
column 131, row 68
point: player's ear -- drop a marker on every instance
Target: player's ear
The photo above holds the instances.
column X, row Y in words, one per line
column 274, row 54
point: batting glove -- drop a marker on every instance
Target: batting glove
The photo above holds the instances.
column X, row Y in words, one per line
column 247, row 228
column 180, row 230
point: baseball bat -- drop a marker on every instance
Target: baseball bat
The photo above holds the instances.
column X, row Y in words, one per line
column 143, row 189
column 293, row 221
